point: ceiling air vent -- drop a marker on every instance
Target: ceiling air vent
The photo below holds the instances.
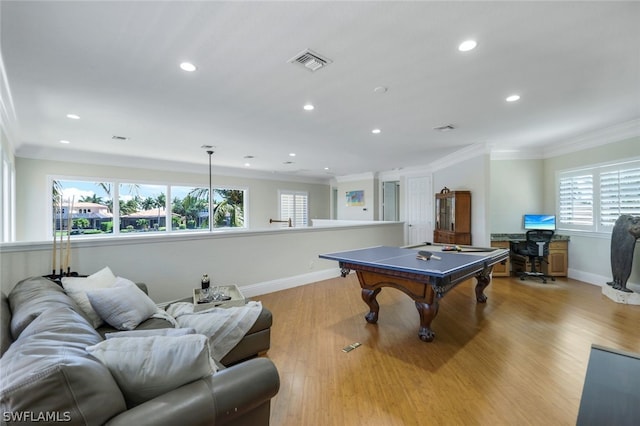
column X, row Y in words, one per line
column 444, row 128
column 119, row 138
column 310, row 60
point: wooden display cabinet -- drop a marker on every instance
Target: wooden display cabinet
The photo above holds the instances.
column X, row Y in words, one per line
column 453, row 217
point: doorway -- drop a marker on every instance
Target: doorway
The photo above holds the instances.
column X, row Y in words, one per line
column 419, row 210
column 391, row 201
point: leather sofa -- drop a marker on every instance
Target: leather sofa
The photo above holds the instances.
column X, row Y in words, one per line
column 46, row 374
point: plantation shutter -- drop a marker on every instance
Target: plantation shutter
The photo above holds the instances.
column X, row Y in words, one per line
column 294, row 206
column 619, row 194
column 576, row 201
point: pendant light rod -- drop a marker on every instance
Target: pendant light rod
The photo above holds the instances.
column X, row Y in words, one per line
column 210, row 194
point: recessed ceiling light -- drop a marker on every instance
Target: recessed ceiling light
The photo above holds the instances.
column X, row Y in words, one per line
column 376, row 131
column 292, row 154
column 188, row 66
column 65, row 141
column 119, row 138
column 513, row 98
column 308, row 107
column 380, row 89
column 467, row 45
column 73, row 116
column 207, row 146
column 247, row 164
column 326, row 168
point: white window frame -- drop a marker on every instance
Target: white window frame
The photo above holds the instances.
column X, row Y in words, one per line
column 297, row 222
column 7, row 197
column 116, row 210
column 599, row 224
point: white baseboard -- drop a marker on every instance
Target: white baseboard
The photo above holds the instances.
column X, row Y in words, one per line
column 595, row 279
column 587, row 277
column 265, row 287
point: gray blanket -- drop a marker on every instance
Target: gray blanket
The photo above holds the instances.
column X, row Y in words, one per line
column 225, row 327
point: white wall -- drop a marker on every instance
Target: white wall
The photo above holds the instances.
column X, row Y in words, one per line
column 258, row 262
column 590, row 255
column 471, row 175
column 369, row 211
column 517, row 187
column 529, row 186
column 33, row 191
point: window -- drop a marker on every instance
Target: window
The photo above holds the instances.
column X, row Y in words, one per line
column 228, row 208
column 592, row 199
column 142, row 207
column 576, row 200
column 295, row 206
column 83, row 207
column 619, row 194
column 189, row 208
column 7, row 197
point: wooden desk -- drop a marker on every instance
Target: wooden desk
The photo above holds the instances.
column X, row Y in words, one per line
column 558, row 256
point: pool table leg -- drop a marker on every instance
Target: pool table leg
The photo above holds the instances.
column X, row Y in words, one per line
column 369, row 297
column 483, row 278
column 428, row 312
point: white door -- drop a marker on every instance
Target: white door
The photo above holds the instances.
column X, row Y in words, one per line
column 419, row 210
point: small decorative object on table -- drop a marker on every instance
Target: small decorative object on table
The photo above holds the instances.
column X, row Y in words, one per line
column 205, row 294
column 221, row 297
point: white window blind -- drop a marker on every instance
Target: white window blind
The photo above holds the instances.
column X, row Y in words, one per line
column 592, row 199
column 576, row 200
column 619, row 194
column 294, row 206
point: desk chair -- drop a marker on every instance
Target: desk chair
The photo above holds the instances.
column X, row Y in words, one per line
column 536, row 248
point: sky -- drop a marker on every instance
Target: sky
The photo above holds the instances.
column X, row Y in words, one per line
column 75, row 190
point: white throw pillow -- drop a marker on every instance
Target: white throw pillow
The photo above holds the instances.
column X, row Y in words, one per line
column 76, row 288
column 145, row 367
column 123, row 306
column 152, row 332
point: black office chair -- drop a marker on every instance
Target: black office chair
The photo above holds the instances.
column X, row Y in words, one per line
column 536, row 248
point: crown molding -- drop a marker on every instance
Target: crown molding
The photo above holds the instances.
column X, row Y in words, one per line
column 356, row 177
column 616, row 133
column 499, row 154
column 459, row 156
column 53, row 154
column 607, row 135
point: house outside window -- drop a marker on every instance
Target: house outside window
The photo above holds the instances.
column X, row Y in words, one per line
column 85, row 207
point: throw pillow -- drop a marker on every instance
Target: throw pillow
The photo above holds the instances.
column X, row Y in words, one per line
column 5, row 328
column 153, row 332
column 123, row 306
column 146, row 367
column 77, row 287
column 48, row 370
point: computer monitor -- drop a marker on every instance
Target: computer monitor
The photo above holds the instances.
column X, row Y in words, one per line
column 540, row 221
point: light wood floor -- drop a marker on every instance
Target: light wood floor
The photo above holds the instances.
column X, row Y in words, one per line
column 519, row 359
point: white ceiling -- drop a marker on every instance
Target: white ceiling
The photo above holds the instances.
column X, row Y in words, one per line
column 576, row 66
